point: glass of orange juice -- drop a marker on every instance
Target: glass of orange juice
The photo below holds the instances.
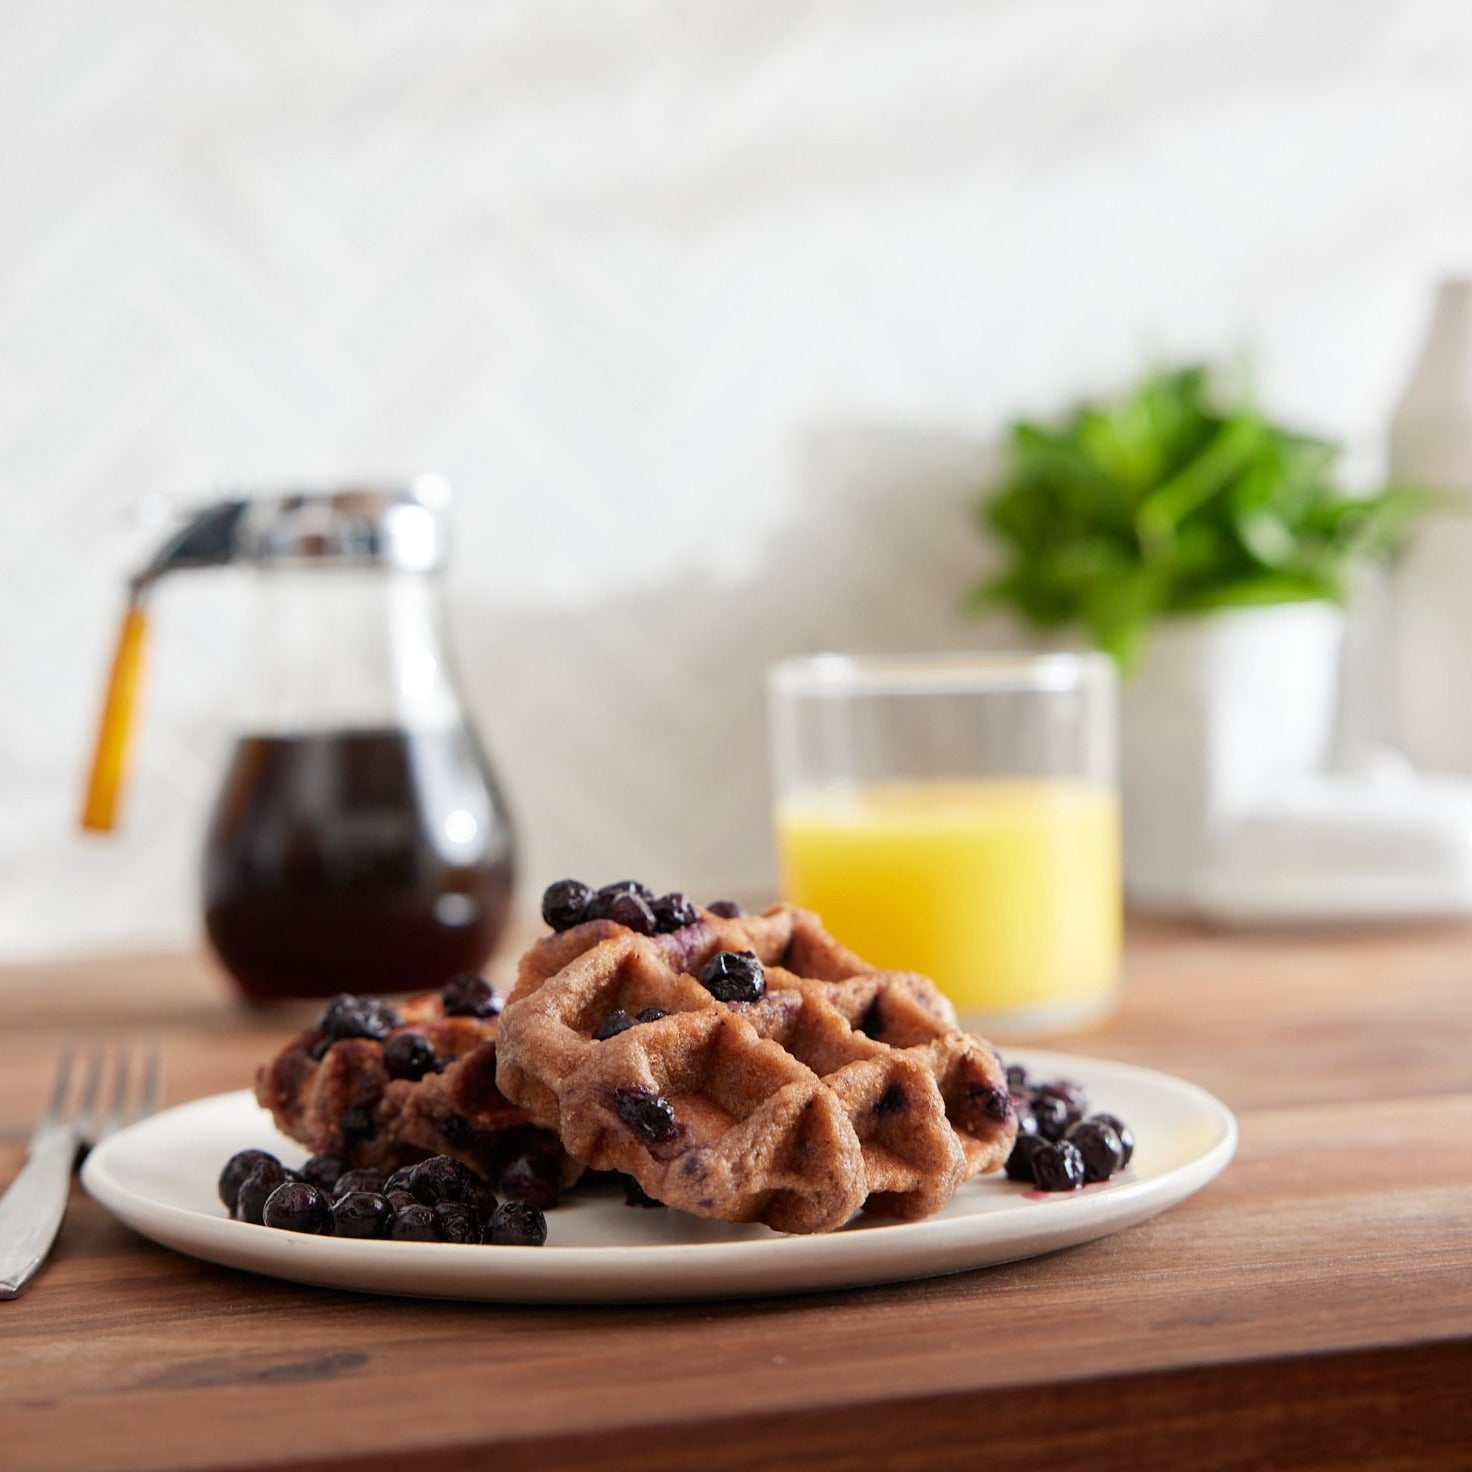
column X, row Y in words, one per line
column 957, row 815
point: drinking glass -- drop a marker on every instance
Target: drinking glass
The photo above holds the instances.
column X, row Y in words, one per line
column 958, row 815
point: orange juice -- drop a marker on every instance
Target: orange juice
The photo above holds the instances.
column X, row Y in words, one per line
column 1007, row 893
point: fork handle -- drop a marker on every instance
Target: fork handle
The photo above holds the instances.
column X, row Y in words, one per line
column 32, row 1209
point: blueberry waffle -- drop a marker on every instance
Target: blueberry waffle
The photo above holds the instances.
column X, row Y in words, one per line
column 380, row 1085
column 747, row 1068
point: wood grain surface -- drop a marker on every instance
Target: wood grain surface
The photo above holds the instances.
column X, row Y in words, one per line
column 1310, row 1309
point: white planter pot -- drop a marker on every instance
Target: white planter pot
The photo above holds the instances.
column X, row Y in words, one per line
column 1224, row 710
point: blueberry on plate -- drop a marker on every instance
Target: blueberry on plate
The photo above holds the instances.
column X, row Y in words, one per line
column 1053, row 1114
column 457, row 1222
column 1125, row 1133
column 515, row 1224
column 366, row 1179
column 534, row 1176
column 481, row 1200
column 262, row 1179
column 237, row 1168
column 440, row 1178
column 414, row 1223
column 323, row 1170
column 1057, row 1167
column 361, row 1214
column 1019, row 1162
column 298, row 1206
column 1100, row 1147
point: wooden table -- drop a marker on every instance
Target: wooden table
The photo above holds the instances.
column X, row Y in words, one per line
column 1312, row 1308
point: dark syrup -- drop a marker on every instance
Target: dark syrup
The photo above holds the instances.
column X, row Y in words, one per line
column 323, row 871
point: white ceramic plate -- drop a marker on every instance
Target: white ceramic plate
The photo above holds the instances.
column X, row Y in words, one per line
column 159, row 1177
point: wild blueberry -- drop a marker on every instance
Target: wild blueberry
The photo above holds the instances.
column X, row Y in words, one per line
column 481, row 1200
column 457, row 1222
column 260, row 1181
column 1057, row 1167
column 361, row 1214
column 1016, row 1078
column 1027, row 1121
column 1053, row 1114
column 726, row 909
column 632, row 912
column 416, row 1223
column 1099, row 1146
column 298, row 1206
column 1076, row 1095
column 628, row 886
column 733, row 976
column 534, row 1177
column 347, row 1016
column 359, row 1180
column 601, row 905
column 650, row 1115
column 674, row 911
column 565, row 903
column 651, row 1014
column 515, row 1224
column 470, row 996
column 399, row 1180
column 408, row 1055
column 1125, row 1133
column 612, row 1025
column 323, row 1170
column 237, row 1168
column 1019, row 1162
column 440, row 1178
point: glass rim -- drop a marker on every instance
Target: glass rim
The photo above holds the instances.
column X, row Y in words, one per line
column 958, row 672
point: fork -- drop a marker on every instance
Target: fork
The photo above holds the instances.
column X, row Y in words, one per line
column 31, row 1211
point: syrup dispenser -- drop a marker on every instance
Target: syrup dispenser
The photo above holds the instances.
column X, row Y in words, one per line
column 359, row 841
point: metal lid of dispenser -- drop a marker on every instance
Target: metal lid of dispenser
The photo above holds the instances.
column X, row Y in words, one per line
column 356, row 524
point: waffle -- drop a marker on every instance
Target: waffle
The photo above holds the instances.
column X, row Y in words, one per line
column 339, row 1099
column 840, row 1088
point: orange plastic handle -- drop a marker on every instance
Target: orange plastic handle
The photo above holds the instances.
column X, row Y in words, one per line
column 114, row 734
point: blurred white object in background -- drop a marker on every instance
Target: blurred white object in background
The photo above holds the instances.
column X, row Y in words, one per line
column 1226, row 710
column 1383, row 842
column 1258, row 784
column 1431, row 445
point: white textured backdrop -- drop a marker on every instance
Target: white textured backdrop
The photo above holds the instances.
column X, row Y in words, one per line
column 708, row 308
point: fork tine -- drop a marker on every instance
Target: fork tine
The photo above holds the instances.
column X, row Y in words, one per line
column 122, row 1068
column 87, row 1109
column 148, row 1096
column 63, row 1085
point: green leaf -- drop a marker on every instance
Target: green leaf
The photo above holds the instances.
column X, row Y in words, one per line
column 1173, row 496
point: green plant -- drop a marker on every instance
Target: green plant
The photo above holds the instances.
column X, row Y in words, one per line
column 1173, row 498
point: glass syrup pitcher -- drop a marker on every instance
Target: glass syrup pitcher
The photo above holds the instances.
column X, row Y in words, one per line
column 359, row 841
